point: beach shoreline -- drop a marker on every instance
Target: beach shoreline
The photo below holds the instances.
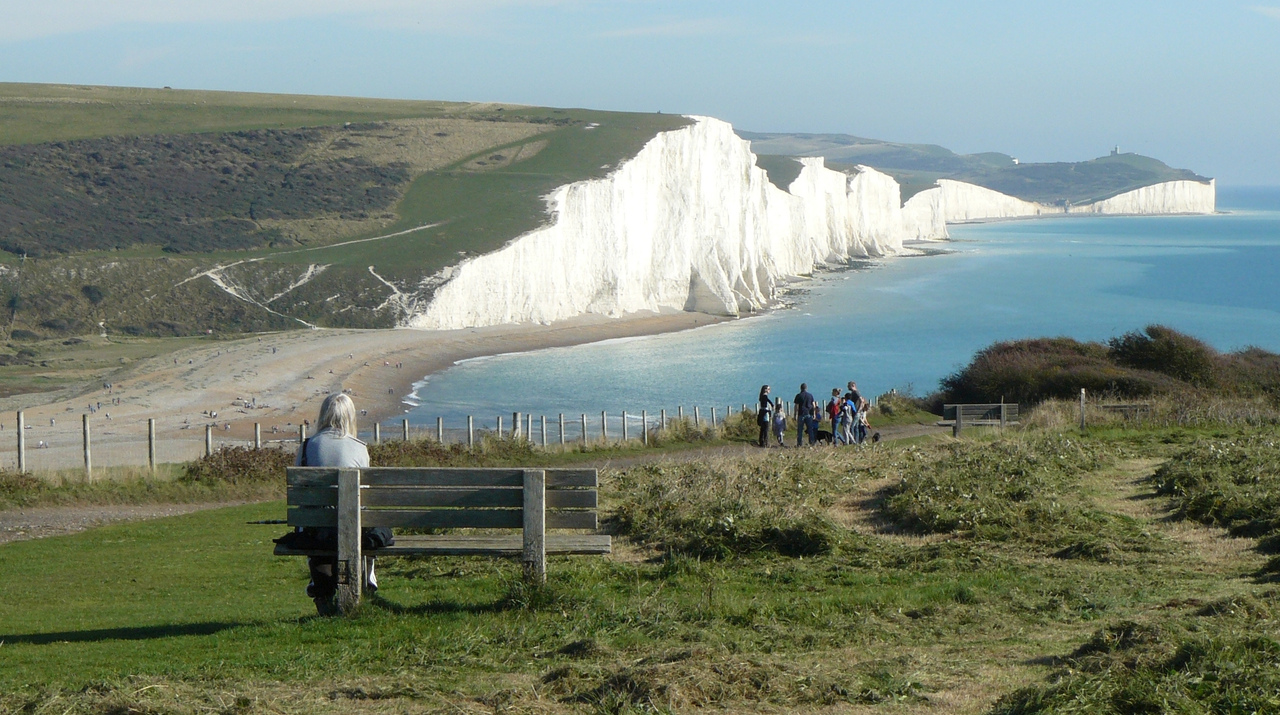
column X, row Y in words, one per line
column 278, row 380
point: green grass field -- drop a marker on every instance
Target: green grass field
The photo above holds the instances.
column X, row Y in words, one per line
column 786, row 580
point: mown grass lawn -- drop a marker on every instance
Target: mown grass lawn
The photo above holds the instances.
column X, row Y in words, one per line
column 766, row 582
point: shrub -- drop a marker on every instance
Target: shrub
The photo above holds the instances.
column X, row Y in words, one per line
column 239, row 465
column 20, row 334
column 1167, row 351
column 1031, row 371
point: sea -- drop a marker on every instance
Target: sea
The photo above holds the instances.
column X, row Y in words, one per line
column 904, row 323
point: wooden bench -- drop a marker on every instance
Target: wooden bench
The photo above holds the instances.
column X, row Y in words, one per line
column 959, row 416
column 531, row 500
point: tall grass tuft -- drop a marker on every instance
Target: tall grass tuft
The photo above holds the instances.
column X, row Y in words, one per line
column 716, row 508
column 239, row 465
column 1231, row 483
column 1023, row 490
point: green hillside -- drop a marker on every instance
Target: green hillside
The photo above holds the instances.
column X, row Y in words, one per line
column 918, row 167
column 128, row 195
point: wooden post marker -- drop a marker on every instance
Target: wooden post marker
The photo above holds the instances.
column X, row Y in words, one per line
column 22, row 443
column 959, row 423
column 535, row 515
column 88, row 456
column 151, row 444
column 1082, row 425
column 350, row 560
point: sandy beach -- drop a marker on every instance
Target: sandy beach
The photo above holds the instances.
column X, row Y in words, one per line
column 279, row 379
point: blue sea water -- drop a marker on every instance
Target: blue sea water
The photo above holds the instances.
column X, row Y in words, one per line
column 906, row 323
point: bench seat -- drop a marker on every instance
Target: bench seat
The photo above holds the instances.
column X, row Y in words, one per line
column 511, row 546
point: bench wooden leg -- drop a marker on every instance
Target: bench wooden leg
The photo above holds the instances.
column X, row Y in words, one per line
column 535, row 521
column 350, row 560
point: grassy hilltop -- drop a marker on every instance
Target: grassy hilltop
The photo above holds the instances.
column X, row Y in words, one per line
column 918, row 166
column 114, row 198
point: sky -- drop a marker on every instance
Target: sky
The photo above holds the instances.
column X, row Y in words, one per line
column 1192, row 82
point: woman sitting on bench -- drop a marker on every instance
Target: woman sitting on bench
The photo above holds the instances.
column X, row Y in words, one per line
column 333, row 445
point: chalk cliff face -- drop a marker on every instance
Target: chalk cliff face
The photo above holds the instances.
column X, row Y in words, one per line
column 689, row 223
column 1171, row 197
column 692, row 223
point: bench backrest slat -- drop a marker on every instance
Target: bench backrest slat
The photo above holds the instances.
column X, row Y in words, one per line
column 444, row 518
column 442, row 477
column 444, row 498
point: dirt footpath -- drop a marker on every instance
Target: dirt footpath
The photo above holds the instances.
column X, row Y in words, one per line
column 39, row 522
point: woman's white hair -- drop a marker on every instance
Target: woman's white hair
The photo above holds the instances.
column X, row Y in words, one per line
column 338, row 413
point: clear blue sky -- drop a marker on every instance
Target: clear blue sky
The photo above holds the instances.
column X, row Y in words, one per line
column 1192, row 82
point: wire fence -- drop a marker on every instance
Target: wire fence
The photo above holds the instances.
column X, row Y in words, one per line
column 96, row 443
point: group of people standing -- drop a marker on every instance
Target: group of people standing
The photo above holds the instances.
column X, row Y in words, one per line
column 846, row 412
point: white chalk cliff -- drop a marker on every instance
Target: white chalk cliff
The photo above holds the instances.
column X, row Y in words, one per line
column 692, row 223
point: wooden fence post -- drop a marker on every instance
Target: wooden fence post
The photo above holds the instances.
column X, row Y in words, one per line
column 22, row 443
column 515, row 425
column 1082, row 425
column 350, row 559
column 958, row 425
column 257, row 435
column 88, row 456
column 662, row 420
column 440, row 430
column 377, row 433
column 404, row 429
column 208, row 440
column 584, row 428
column 471, row 432
column 561, row 429
column 302, row 434
column 1004, row 415
column 604, row 427
column 624, row 425
column 499, row 428
column 535, row 515
column 544, row 431
column 713, row 417
column 151, row 444
column 697, row 416
column 679, row 412
column 644, row 427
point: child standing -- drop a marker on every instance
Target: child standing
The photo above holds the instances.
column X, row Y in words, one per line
column 779, row 421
